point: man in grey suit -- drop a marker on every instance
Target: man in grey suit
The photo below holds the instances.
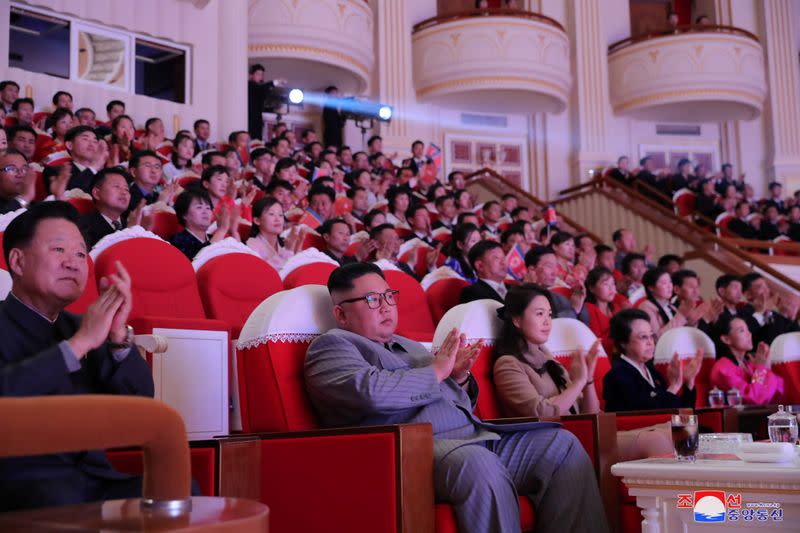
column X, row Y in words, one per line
column 363, row 374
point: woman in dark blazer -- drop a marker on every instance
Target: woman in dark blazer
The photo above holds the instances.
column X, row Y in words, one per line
column 633, row 383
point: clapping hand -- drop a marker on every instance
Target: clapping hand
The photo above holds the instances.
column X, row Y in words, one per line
column 433, row 255
column 692, row 368
column 762, row 355
column 578, row 370
column 58, row 186
column 591, row 358
column 366, row 248
column 121, row 281
column 445, row 358
column 674, row 374
column 465, row 358
column 135, row 216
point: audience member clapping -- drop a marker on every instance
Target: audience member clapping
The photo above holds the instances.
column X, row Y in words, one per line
column 464, row 237
column 194, row 211
column 268, row 224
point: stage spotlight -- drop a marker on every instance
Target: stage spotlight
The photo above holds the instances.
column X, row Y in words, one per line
column 296, row 96
column 385, row 113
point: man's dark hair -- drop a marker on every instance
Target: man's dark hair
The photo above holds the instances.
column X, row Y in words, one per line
column 351, row 192
column 60, row 113
column 666, row 259
column 276, row 183
column 100, row 178
column 316, row 190
column 234, row 134
column 208, row 156
column 12, row 132
column 19, row 101
column 21, row 231
column 137, row 157
column 438, row 202
column 371, row 215
column 617, row 235
column 377, row 230
column 343, row 277
column 452, row 175
column 628, row 260
column 258, row 152
column 644, row 160
column 210, row 172
column 508, row 195
column 149, row 121
column 480, row 249
column 726, row 166
column 199, row 122
column 488, row 205
column 373, row 139
column 77, row 130
column 510, row 232
column 416, row 143
column 413, row 208
column 772, row 184
column 85, row 110
column 59, row 94
column 184, row 200
column 330, row 88
column 6, row 83
column 13, row 151
column 682, row 275
column 305, row 132
column 748, row 279
column 327, row 226
column 517, row 210
column 256, row 67
column 724, row 280
column 602, row 249
column 534, row 255
column 112, row 103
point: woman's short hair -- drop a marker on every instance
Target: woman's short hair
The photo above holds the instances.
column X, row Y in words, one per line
column 184, row 200
column 621, row 326
column 595, row 276
column 561, row 237
column 651, row 277
column 393, row 193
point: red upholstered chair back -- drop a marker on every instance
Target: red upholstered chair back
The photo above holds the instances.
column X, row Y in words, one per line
column 443, row 295
column 414, row 317
column 785, row 352
column 163, row 279
column 83, row 205
column 478, row 321
column 313, row 240
column 271, row 353
column 569, row 335
column 165, row 224
column 685, row 201
column 232, row 285
column 311, row 274
column 686, row 341
column 722, row 222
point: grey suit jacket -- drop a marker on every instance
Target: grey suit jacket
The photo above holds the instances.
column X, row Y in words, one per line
column 564, row 308
column 353, row 381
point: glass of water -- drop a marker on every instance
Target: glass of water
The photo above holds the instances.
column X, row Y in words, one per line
column 782, row 426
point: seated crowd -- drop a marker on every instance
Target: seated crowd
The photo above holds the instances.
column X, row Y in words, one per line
column 281, row 196
column 720, row 199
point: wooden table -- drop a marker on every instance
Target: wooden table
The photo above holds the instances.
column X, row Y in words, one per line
column 757, row 496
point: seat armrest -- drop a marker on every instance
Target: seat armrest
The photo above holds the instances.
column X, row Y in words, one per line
column 151, row 343
column 376, row 478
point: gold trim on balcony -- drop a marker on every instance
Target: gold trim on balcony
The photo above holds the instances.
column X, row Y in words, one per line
column 298, row 49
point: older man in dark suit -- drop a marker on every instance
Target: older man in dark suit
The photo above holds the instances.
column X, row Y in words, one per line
column 47, row 350
column 364, row 374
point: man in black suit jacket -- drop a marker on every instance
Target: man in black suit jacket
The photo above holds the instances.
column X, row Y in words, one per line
column 387, row 245
column 332, row 119
column 111, row 198
column 82, row 145
column 202, row 133
column 336, row 234
column 739, row 225
column 489, row 263
column 417, row 161
column 776, row 197
column 47, row 350
column 12, row 183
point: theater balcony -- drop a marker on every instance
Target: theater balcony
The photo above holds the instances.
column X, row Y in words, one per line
column 500, row 61
column 313, row 44
column 696, row 74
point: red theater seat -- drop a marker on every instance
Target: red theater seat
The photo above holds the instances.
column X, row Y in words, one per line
column 443, row 295
column 203, row 460
column 165, row 224
column 232, row 285
column 785, row 352
column 310, row 274
column 684, row 201
column 166, row 301
column 83, row 205
column 414, row 316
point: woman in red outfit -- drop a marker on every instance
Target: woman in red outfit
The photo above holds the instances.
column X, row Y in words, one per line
column 602, row 302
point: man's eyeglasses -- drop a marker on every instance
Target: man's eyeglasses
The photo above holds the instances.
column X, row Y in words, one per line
column 151, row 166
column 20, row 171
column 373, row 299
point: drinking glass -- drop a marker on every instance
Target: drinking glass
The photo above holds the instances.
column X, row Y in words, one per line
column 716, row 398
column 685, row 436
column 734, row 398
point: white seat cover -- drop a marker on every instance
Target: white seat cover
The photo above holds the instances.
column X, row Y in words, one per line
column 568, row 335
column 297, row 315
column 685, row 341
column 226, row 246
column 306, row 257
column 5, row 284
column 477, row 320
column 443, row 272
column 785, row 348
column 6, row 218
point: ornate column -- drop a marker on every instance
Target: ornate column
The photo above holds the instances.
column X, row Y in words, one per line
column 232, row 60
column 784, row 93
column 591, row 110
column 395, row 84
